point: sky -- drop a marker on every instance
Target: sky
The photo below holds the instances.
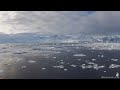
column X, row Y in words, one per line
column 60, row 22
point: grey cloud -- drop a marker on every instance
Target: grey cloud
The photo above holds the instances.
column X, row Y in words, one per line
column 62, row 22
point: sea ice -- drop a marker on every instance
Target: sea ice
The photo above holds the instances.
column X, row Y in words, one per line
column 54, row 57
column 60, row 66
column 79, row 59
column 114, row 59
column 93, row 59
column 43, row 68
column 19, row 60
column 94, row 66
column 102, row 55
column 114, row 66
column 79, row 55
column 91, row 63
column 31, row 61
column 62, row 62
column 98, row 55
column 65, row 69
column 117, row 75
column 73, row 65
column 23, row 66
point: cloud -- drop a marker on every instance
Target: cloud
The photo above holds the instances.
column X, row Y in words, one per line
column 60, row 22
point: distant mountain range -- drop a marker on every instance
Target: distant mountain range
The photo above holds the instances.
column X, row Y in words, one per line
column 108, row 39
column 37, row 37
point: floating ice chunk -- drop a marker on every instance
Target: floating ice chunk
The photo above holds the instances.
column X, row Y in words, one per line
column 79, row 55
column 62, row 62
column 95, row 66
column 101, row 66
column 114, row 66
column 61, row 66
column 117, row 75
column 54, row 57
column 89, row 66
column 65, row 69
column 18, row 60
column 79, row 59
column 31, row 61
column 93, row 59
column 43, row 68
column 91, row 63
column 23, row 66
column 55, row 66
column 114, row 59
column 102, row 55
column 83, row 66
column 98, row 55
column 73, row 65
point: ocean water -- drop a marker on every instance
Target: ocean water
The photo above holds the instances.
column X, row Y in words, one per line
column 58, row 61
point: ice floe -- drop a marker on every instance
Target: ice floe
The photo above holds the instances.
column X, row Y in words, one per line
column 93, row 59
column 54, row 57
column 60, row 66
column 117, row 74
column 79, row 55
column 94, row 66
column 43, row 68
column 23, row 66
column 31, row 61
column 65, row 69
column 18, row 60
column 62, row 62
column 102, row 55
column 114, row 59
column 73, row 65
column 114, row 66
column 79, row 59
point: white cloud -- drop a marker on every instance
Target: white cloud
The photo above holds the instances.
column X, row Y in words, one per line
column 59, row 21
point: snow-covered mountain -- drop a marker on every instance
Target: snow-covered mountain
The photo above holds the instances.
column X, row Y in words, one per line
column 37, row 37
column 108, row 39
column 70, row 38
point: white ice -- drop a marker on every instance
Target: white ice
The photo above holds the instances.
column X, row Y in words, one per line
column 65, row 69
column 23, row 66
column 114, row 66
column 43, row 68
column 79, row 55
column 73, row 65
column 31, row 61
column 114, row 59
